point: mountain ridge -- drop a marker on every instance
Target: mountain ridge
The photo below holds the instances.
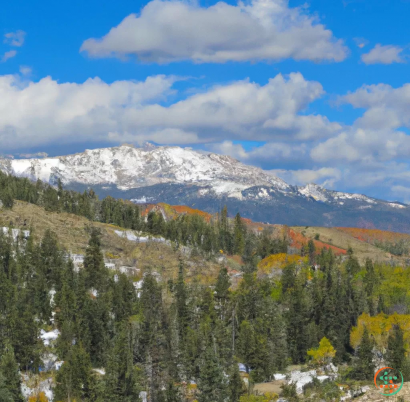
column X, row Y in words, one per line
column 182, row 176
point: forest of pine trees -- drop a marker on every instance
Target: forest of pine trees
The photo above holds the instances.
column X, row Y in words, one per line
column 179, row 334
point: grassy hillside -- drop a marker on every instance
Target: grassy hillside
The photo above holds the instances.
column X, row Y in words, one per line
column 73, row 234
column 343, row 239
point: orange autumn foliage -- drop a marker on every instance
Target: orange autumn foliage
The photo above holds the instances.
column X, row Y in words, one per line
column 297, row 240
column 372, row 235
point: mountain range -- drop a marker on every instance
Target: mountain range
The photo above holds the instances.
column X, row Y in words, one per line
column 208, row 181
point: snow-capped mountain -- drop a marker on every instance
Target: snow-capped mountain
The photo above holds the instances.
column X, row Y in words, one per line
column 128, row 167
column 183, row 176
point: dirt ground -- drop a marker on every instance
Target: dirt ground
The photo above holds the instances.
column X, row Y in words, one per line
column 265, row 387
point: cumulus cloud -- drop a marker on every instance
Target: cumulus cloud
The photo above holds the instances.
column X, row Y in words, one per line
column 37, row 112
column 326, row 177
column 379, row 134
column 387, row 54
column 169, row 31
column 272, row 151
column 8, row 55
column 15, row 38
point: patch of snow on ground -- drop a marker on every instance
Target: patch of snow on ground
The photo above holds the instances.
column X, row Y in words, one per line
column 44, row 386
column 142, row 239
column 300, row 379
column 279, row 376
column 15, row 232
column 48, row 337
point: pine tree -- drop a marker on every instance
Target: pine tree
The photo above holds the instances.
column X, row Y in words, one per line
column 364, row 367
column 212, row 385
column 235, row 384
column 311, row 251
column 5, row 394
column 396, row 352
column 10, row 370
column 94, row 268
column 223, row 284
column 73, row 380
column 239, row 237
column 181, row 301
column 122, row 378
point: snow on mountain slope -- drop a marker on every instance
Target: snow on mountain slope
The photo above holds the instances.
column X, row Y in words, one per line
column 128, row 167
column 321, row 194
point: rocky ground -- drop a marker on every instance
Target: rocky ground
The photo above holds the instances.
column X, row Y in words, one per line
column 374, row 396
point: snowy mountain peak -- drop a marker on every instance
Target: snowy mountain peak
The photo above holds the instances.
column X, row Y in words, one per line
column 128, row 167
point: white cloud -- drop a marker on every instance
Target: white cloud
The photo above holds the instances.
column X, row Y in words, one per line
column 8, row 55
column 15, row 38
column 271, row 152
column 168, row 31
column 387, row 54
column 325, row 176
column 25, row 70
column 379, row 134
column 35, row 113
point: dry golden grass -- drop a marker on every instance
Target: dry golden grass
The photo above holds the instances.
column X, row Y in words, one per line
column 73, row 234
column 341, row 239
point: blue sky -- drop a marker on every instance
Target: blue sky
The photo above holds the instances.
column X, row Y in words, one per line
column 315, row 91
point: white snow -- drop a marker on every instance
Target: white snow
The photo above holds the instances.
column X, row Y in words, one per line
column 15, row 232
column 130, row 167
column 300, row 379
column 314, row 191
column 48, row 337
column 129, row 235
column 394, row 205
column 279, row 376
column 142, row 200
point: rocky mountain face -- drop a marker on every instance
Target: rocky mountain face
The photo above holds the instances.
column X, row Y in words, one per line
column 208, row 181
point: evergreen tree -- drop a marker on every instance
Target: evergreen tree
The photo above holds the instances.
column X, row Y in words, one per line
column 94, row 268
column 239, row 237
column 73, row 380
column 223, row 284
column 10, row 371
column 396, row 352
column 364, row 367
column 122, row 378
column 235, row 384
column 5, row 394
column 181, row 302
column 212, row 385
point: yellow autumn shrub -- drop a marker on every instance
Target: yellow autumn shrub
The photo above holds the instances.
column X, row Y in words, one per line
column 41, row 397
column 324, row 353
column 279, row 261
column 379, row 327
